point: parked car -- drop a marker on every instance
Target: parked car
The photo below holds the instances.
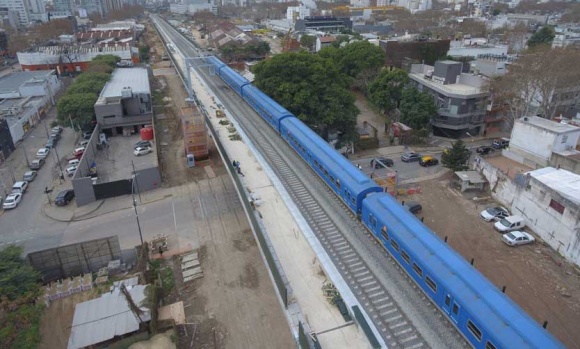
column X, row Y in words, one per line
column 78, row 152
column 12, row 201
column 70, row 170
column 74, row 162
column 413, row 206
column 29, row 176
column 142, row 151
column 87, row 134
column 494, row 213
column 56, row 129
column 509, row 224
column 36, row 164
column 64, row 197
column 484, row 150
column 516, row 238
column 410, row 157
column 142, row 144
column 51, row 143
column 42, row 153
column 385, row 161
column 83, row 143
column 20, row 187
column 427, row 161
column 501, row 143
column 55, row 136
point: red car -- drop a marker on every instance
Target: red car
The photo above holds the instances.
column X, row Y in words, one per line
column 79, row 152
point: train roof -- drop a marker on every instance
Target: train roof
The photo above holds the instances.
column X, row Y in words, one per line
column 215, row 61
column 474, row 291
column 358, row 181
column 237, row 78
column 272, row 104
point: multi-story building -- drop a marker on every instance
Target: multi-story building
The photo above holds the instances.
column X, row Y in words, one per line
column 67, row 59
column 93, row 6
column 64, row 6
column 9, row 17
column 125, row 101
column 326, row 24
column 22, row 6
column 460, row 97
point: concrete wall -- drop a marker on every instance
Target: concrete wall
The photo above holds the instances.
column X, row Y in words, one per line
column 148, row 179
column 126, row 112
column 532, row 201
column 531, row 141
column 84, row 192
column 561, row 161
column 567, row 141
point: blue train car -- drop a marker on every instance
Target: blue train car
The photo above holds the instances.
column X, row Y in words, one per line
column 216, row 62
column 271, row 111
column 486, row 317
column 233, row 79
column 350, row 184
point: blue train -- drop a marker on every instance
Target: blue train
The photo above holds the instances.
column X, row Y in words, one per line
column 483, row 314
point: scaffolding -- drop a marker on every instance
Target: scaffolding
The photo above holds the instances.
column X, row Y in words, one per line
column 194, row 132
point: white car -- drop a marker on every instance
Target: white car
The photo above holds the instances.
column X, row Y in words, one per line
column 517, row 237
column 142, row 151
column 12, row 201
column 70, row 170
column 74, row 162
column 494, row 214
column 42, row 153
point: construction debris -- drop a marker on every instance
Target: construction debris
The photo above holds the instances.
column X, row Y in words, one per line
column 66, row 287
column 191, row 267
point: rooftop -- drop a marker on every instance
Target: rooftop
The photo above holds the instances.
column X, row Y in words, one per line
column 548, row 125
column 12, row 82
column 135, row 78
column 471, row 176
column 564, row 182
column 102, row 319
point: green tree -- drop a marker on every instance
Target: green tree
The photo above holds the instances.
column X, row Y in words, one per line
column 144, row 53
column 385, row 92
column 110, row 60
column 312, row 88
column 457, row 156
column 544, row 36
column 19, row 315
column 416, row 108
column 308, row 42
column 93, row 77
column 86, row 87
column 80, row 107
column 340, row 39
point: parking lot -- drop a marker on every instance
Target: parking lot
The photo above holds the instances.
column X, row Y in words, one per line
column 535, row 276
column 116, row 161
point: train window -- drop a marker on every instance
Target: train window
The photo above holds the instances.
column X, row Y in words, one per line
column 474, row 330
column 418, row 270
column 373, row 220
column 395, row 245
column 353, row 201
column 432, row 285
column 326, row 173
column 447, row 300
column 338, row 183
column 332, row 178
column 384, row 233
column 455, row 309
column 489, row 345
column 405, row 256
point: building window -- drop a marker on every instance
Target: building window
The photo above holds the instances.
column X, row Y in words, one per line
column 557, row 206
column 108, row 116
column 564, row 138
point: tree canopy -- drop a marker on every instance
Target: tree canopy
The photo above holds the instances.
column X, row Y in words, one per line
column 19, row 315
column 312, row 88
column 236, row 52
column 416, row 108
column 457, row 156
column 386, row 91
column 308, row 42
column 544, row 36
column 80, row 107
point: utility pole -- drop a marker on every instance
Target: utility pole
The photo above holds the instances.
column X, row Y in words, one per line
column 25, row 155
column 136, row 181
column 135, row 207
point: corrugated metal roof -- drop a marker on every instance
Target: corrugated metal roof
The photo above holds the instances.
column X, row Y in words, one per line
column 135, row 78
column 103, row 318
column 12, row 82
column 564, row 182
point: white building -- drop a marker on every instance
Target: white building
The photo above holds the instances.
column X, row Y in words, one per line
column 64, row 6
column 534, row 140
column 297, row 12
column 22, row 6
column 566, row 36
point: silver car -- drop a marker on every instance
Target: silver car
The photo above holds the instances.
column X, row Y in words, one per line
column 29, row 176
column 516, row 238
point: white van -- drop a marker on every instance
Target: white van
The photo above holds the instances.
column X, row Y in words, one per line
column 19, row 187
column 509, row 224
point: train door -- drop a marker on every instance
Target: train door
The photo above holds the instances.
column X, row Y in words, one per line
column 451, row 307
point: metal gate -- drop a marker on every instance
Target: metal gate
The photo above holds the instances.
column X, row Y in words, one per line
column 113, row 189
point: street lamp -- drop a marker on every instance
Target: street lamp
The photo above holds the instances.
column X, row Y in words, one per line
column 135, row 207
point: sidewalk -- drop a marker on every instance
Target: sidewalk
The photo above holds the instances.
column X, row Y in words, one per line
column 71, row 213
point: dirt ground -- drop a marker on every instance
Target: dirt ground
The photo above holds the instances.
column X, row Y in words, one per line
column 537, row 278
column 57, row 319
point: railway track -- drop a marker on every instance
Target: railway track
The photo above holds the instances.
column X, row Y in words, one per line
column 378, row 285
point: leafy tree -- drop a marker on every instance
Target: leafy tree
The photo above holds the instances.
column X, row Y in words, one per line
column 144, row 53
column 457, row 156
column 93, row 77
column 544, row 36
column 416, row 108
column 86, row 87
column 385, row 92
column 312, row 88
column 19, row 316
column 80, row 107
column 308, row 42
column 110, row 60
column 340, row 39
